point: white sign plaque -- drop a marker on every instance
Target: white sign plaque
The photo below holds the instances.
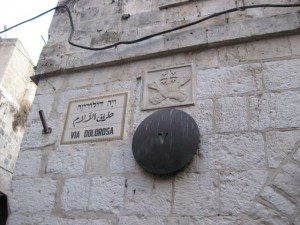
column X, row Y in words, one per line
column 95, row 119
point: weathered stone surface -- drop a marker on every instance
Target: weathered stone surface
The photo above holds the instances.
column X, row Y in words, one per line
column 75, row 194
column 98, row 159
column 32, row 195
column 146, row 196
column 138, row 220
column 80, row 79
column 296, row 156
column 229, row 80
column 202, row 113
column 295, row 44
column 277, row 200
column 279, row 144
column 47, row 86
column 205, row 58
column 267, row 49
column 297, row 219
column 19, row 219
column 29, row 163
column 282, row 74
column 107, row 194
column 238, row 190
column 66, row 160
column 264, row 215
column 34, row 129
column 185, row 39
column 201, row 197
column 235, row 151
column 176, row 220
column 231, row 114
column 41, row 102
column 220, row 220
column 122, row 160
column 288, row 184
column 275, row 110
column 292, row 169
column 5, row 180
column 234, row 54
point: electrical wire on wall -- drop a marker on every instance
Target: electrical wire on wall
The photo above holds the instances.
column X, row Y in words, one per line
column 114, row 45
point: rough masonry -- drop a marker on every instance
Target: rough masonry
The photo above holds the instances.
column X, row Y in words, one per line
column 247, row 107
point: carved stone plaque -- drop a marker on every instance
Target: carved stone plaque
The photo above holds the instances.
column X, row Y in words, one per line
column 169, row 87
column 95, row 119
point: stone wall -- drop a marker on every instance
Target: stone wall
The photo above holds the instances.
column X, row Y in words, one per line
column 16, row 95
column 247, row 107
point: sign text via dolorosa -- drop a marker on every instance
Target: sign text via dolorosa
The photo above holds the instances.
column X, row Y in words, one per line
column 95, row 119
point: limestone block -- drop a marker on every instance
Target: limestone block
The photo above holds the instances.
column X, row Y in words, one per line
column 288, row 184
column 138, row 220
column 268, row 49
column 183, row 14
column 98, row 159
column 152, row 47
column 279, row 144
column 220, row 220
column 276, row 199
column 297, row 155
column 135, row 7
column 175, row 220
column 196, row 194
column 80, row 79
column 112, row 74
column 267, row 216
column 32, row 195
column 233, row 54
column 29, row 163
column 238, row 190
column 295, row 44
column 5, row 180
column 90, row 13
column 202, row 113
column 229, row 80
column 282, row 74
column 19, row 219
column 211, row 7
column 297, row 219
column 205, row 58
column 275, row 110
column 149, row 197
column 231, row 114
column 66, row 160
column 235, row 151
column 75, row 194
column 47, row 86
column 66, row 96
column 185, row 39
column 107, row 194
column 34, row 137
column 122, row 160
column 168, row 3
column 292, row 169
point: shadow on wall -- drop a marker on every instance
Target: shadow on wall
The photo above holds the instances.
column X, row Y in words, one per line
column 3, row 209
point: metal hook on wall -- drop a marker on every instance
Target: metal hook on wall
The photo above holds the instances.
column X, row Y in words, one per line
column 46, row 130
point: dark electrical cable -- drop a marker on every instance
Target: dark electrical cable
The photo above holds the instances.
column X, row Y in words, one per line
column 26, row 21
column 114, row 45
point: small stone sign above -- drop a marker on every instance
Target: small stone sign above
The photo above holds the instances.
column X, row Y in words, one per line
column 95, row 119
column 169, row 87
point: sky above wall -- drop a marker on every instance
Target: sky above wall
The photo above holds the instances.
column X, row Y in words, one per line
column 16, row 11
